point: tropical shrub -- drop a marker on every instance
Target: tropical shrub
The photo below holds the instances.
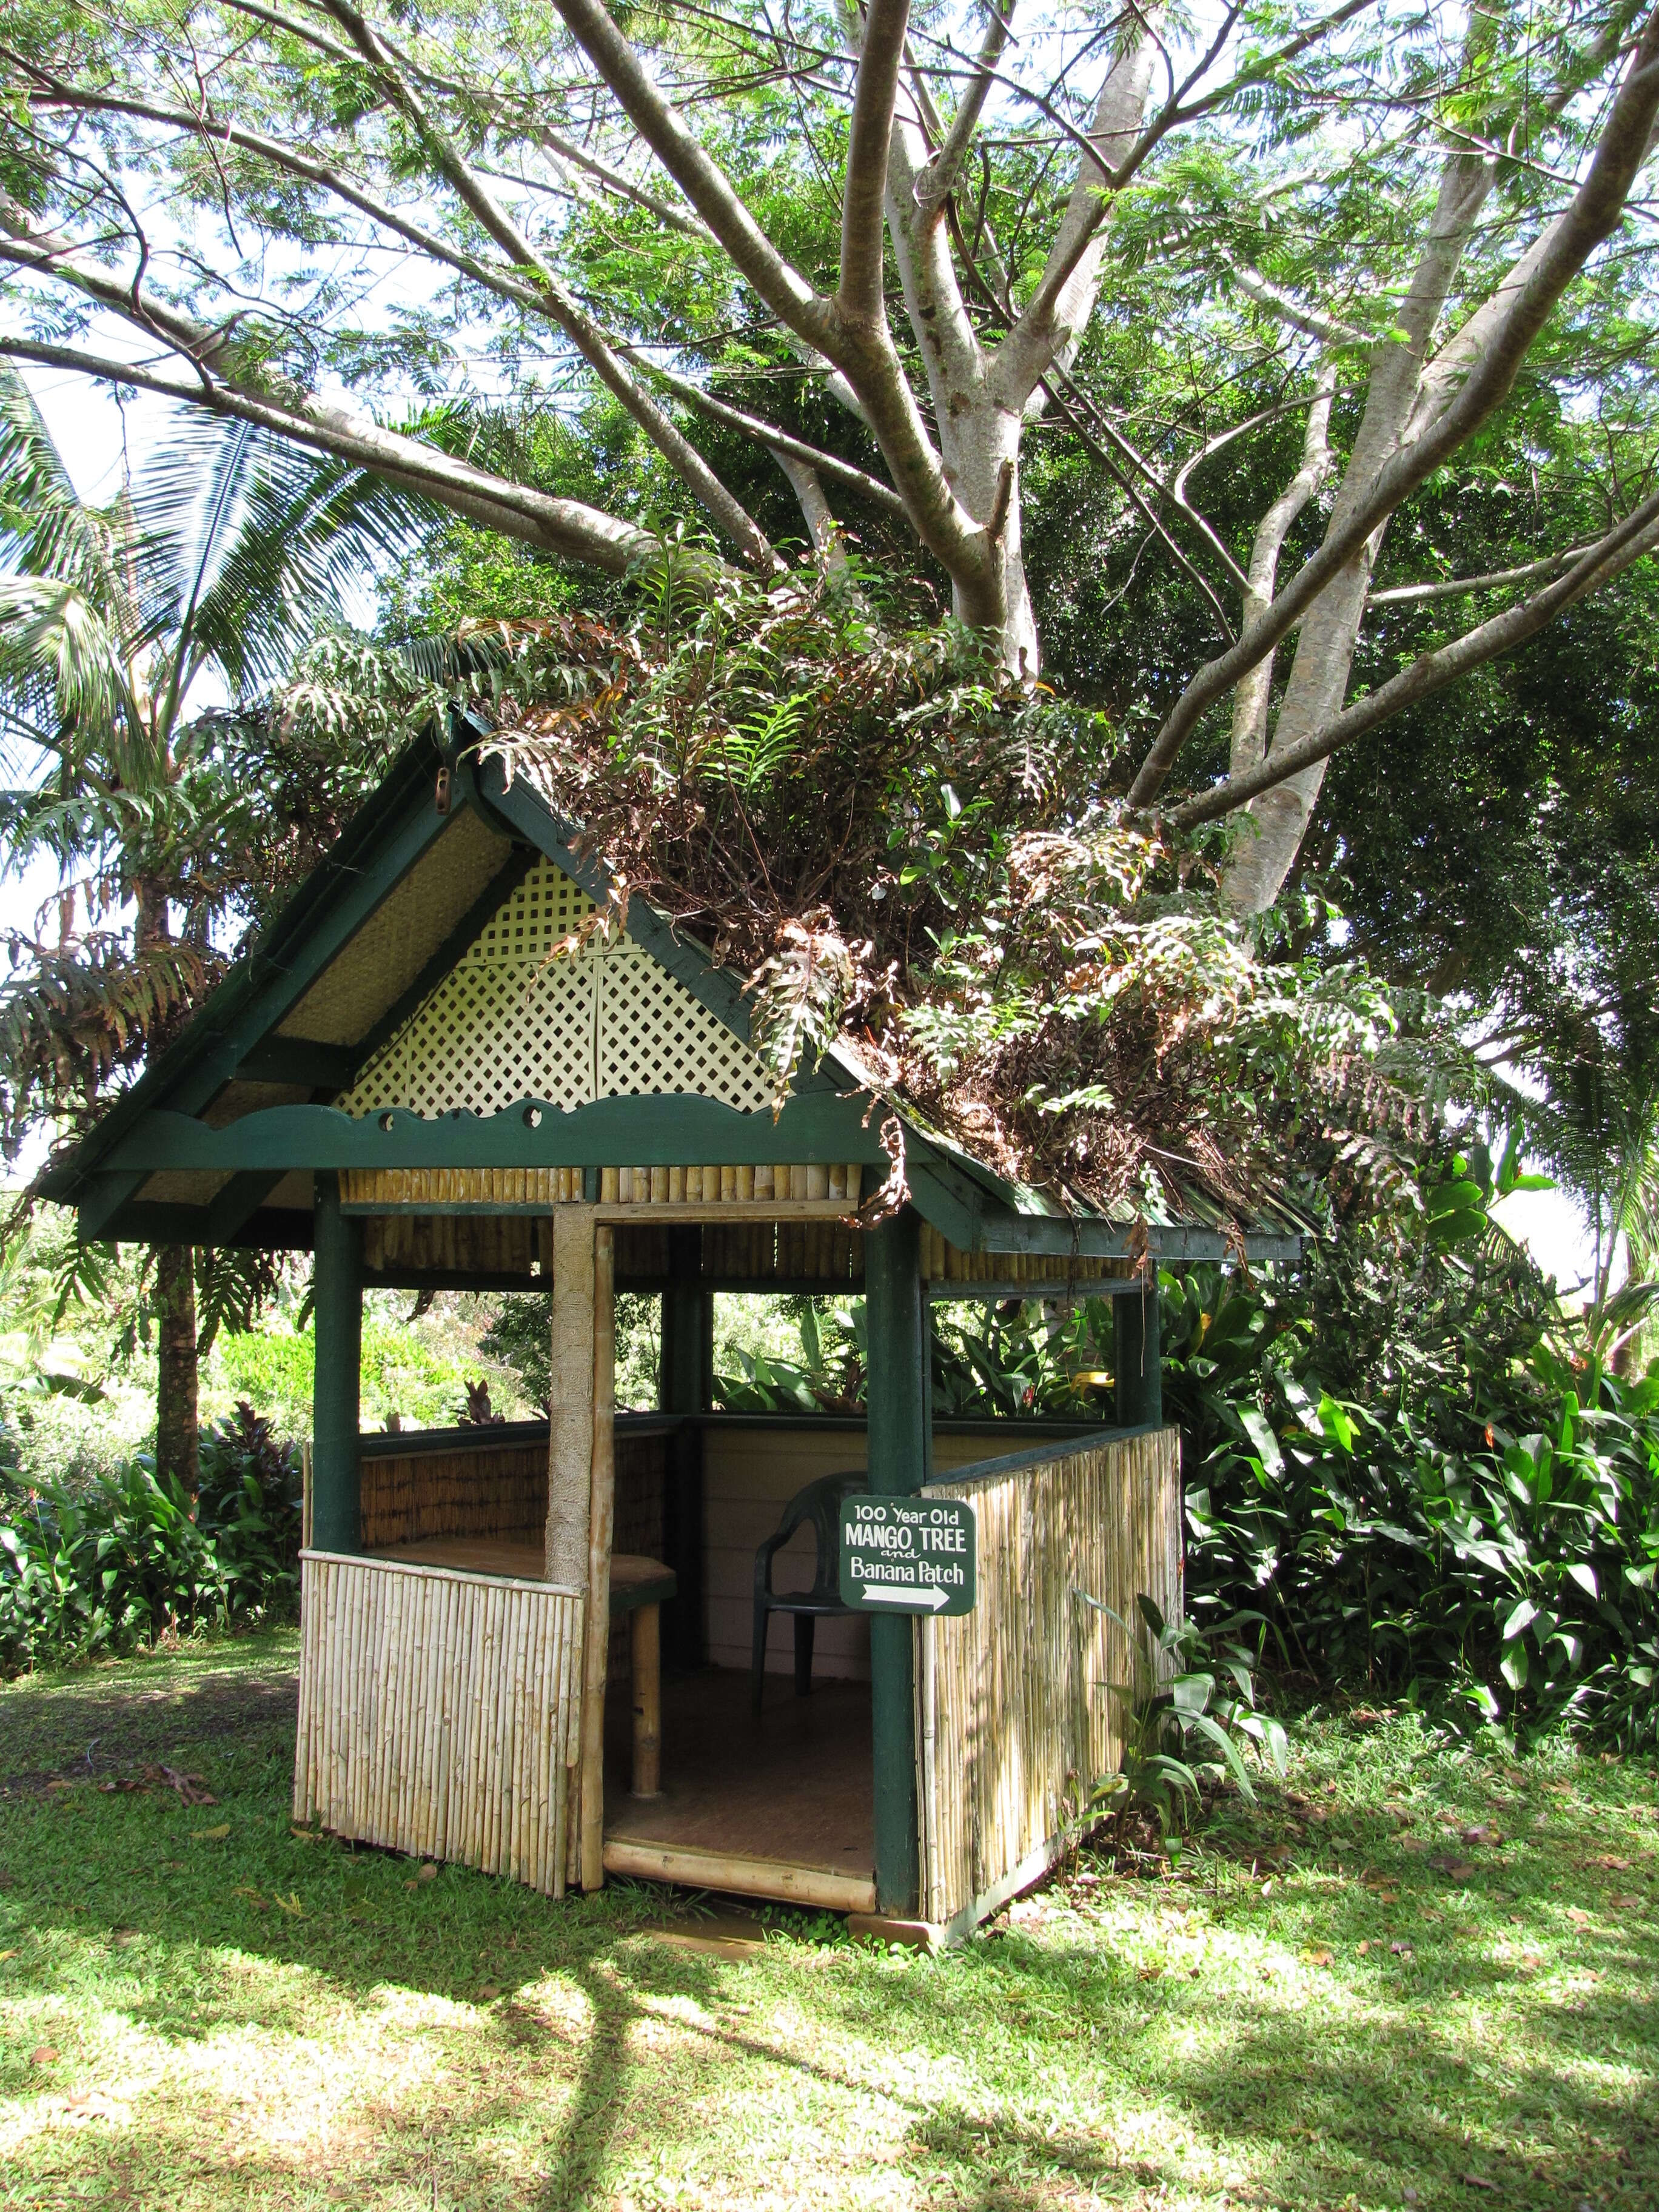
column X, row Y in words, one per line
column 1476, row 1529
column 116, row 1562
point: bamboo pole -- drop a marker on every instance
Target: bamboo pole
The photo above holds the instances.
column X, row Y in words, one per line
column 601, row 1521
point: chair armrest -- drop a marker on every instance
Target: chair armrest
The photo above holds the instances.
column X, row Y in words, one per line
column 765, row 1555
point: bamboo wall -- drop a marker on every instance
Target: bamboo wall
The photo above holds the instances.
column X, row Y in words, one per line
column 438, row 1713
column 1016, row 1716
column 487, row 1484
column 478, row 1487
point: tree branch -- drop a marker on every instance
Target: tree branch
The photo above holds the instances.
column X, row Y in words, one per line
column 1636, row 537
column 862, row 295
column 729, row 514
column 776, row 441
column 938, row 181
column 1456, row 587
column 1594, row 214
column 1308, row 320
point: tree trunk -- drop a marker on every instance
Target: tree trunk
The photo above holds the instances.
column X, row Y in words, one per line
column 176, row 1417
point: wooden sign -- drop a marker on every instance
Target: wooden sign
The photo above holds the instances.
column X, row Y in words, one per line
column 908, row 1555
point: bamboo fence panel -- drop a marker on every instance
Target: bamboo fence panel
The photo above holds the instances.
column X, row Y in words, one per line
column 438, row 1713
column 476, row 1490
column 1021, row 1701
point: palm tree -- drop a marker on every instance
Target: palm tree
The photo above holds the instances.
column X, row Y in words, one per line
column 222, row 555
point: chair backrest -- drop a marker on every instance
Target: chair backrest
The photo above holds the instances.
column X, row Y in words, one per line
column 820, row 1504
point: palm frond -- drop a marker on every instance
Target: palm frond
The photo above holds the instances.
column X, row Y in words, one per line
column 251, row 545
column 46, row 529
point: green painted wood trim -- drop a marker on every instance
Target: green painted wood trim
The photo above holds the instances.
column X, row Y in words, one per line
column 237, row 1202
column 338, row 1327
column 329, row 1068
column 657, row 1130
column 385, row 841
column 1137, row 1361
column 683, row 1380
column 898, row 1417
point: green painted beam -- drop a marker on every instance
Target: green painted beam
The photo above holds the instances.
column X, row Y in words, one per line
column 1138, row 1360
column 684, row 1383
column 338, row 1328
column 237, row 1202
column 328, row 1067
column 896, row 1330
column 654, row 1131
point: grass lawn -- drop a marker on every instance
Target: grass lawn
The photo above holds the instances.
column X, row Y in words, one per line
column 1342, row 2000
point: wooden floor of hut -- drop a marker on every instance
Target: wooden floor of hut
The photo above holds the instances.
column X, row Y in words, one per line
column 779, row 1807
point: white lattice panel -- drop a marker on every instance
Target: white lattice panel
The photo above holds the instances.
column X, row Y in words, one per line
column 655, row 1035
column 516, row 1018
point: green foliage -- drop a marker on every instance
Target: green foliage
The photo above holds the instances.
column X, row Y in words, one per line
column 129, row 1557
column 1446, row 1508
column 1189, row 1705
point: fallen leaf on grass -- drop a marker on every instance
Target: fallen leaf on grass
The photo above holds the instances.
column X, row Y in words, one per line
column 1401, row 1950
column 43, row 2054
column 93, row 2104
column 487, row 1990
column 1475, row 2182
column 1579, row 1916
column 1364, row 1945
column 58, row 1782
column 429, row 1872
column 8, row 1954
column 211, row 1835
column 1317, row 1958
column 1612, row 1865
column 123, row 1784
column 304, row 1835
column 1619, row 1905
column 1454, row 1869
column 1413, row 1843
column 1149, row 1974
column 191, row 1789
column 1481, row 1835
column 123, row 1937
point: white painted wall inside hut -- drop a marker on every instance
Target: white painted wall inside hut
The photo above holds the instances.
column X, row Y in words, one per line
column 749, row 1477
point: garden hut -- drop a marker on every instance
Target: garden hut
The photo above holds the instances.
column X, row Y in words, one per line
column 525, row 1647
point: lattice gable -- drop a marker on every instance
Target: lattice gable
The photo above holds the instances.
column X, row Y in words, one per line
column 522, row 1015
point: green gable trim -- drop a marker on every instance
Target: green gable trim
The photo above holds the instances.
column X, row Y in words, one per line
column 655, row 1130
column 383, row 842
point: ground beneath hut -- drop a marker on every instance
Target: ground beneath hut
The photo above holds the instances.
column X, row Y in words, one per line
column 791, row 1787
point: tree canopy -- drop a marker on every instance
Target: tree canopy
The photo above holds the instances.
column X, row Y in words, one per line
column 905, row 266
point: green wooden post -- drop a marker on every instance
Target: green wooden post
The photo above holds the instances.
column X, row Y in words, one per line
column 336, row 1322
column 1140, row 1359
column 683, row 1388
column 897, row 1339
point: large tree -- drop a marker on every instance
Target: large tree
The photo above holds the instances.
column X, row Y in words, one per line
column 883, row 248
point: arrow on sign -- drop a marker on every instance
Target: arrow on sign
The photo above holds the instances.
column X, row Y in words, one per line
column 932, row 1599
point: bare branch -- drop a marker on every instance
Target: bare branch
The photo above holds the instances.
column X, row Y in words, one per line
column 729, row 514
column 860, row 295
column 1634, row 537
column 1252, row 697
column 938, row 180
column 1310, row 321
column 815, row 509
column 564, row 527
column 776, row 441
column 1457, row 588
column 1594, row 214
